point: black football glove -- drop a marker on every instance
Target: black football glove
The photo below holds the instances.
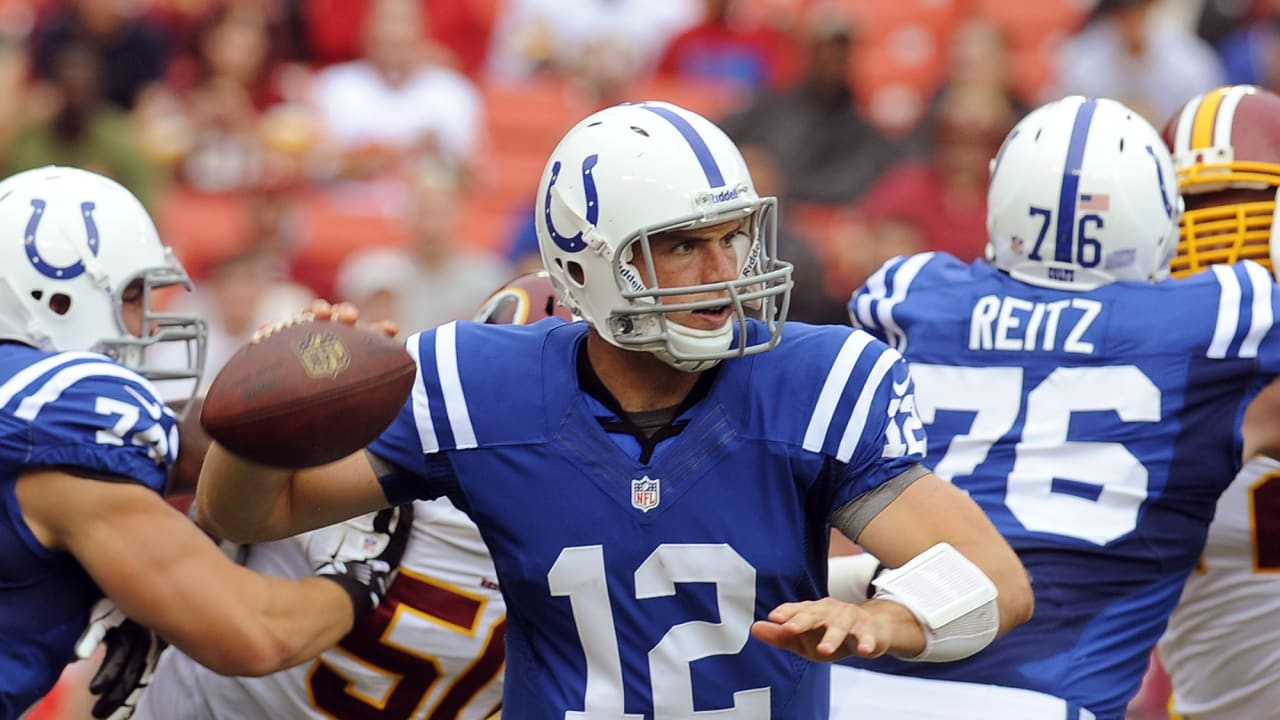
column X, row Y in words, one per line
column 132, row 652
column 363, row 554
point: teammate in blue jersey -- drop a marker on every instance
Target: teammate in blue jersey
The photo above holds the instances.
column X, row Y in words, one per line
column 85, row 446
column 657, row 482
column 1085, row 401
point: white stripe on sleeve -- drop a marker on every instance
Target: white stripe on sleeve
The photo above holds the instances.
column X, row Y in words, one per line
column 421, row 404
column 901, row 284
column 874, row 289
column 862, row 408
column 1261, row 316
column 833, row 389
column 28, row 375
column 1228, row 311
column 455, row 401
column 52, row 389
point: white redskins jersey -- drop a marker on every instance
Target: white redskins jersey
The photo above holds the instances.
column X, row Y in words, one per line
column 1222, row 647
column 434, row 649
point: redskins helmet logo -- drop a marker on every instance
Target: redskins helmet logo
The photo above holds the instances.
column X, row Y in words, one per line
column 322, row 355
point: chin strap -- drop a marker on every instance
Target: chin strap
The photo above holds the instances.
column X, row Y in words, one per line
column 689, row 341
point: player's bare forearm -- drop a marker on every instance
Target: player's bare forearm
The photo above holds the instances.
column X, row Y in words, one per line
column 221, row 614
column 933, row 510
column 242, row 501
column 246, row 502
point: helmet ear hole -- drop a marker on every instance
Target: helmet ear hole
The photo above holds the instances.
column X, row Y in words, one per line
column 576, row 273
column 60, row 303
column 37, row 294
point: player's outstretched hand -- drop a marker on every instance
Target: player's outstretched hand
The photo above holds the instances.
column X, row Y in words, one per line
column 132, row 652
column 823, row 630
column 345, row 312
column 363, row 554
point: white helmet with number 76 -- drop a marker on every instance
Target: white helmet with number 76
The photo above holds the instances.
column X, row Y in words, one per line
column 1082, row 194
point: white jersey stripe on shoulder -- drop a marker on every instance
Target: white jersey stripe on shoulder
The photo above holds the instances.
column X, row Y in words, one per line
column 1182, row 136
column 455, row 401
column 28, row 375
column 833, row 388
column 906, row 275
column 1228, row 311
column 862, row 408
column 1227, row 114
column 53, row 388
column 421, row 404
column 1261, row 317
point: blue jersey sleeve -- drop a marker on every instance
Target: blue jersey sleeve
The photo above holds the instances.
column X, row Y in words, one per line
column 433, row 421
column 892, row 439
column 100, row 417
column 1248, row 305
column 871, row 307
column 864, row 415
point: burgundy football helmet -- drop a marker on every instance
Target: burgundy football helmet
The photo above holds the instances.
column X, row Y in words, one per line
column 525, row 299
column 1226, row 148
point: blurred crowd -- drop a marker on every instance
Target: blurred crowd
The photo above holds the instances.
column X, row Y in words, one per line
column 386, row 151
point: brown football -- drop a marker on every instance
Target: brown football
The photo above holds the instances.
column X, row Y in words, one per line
column 308, row 394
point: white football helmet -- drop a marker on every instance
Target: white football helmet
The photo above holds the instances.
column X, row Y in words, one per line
column 74, row 241
column 1082, row 194
column 627, row 173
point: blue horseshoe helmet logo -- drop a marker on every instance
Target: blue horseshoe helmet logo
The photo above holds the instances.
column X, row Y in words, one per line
column 574, row 243
column 66, row 272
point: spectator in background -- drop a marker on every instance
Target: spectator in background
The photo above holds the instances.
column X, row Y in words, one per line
column 1129, row 52
column 15, row 25
column 70, row 124
column 376, row 281
column 728, row 47
column 942, row 198
column 461, row 27
column 978, row 59
column 536, row 36
column 443, row 279
column 132, row 53
column 827, row 151
column 385, row 112
column 811, row 299
column 221, row 126
column 1251, row 53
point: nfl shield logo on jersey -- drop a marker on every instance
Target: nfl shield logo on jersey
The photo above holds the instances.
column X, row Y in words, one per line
column 644, row 494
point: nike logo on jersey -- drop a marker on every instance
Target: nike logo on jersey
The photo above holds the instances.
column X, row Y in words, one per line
column 1010, row 323
column 900, row 388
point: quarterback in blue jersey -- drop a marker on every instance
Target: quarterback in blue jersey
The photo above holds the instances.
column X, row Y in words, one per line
column 657, row 482
column 1089, row 404
column 85, row 447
